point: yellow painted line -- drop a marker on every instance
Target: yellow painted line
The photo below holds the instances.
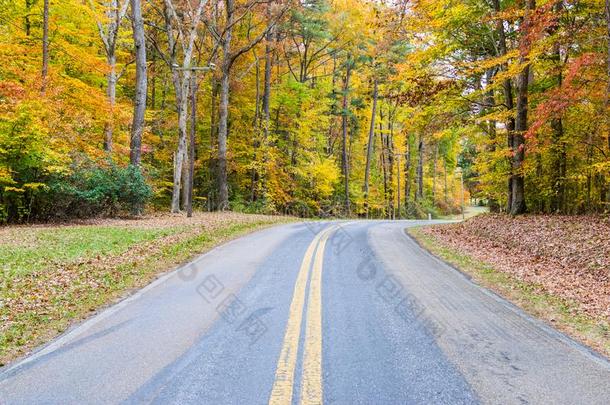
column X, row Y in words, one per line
column 284, row 375
column 312, row 385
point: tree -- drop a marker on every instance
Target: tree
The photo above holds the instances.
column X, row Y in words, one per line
column 137, row 126
column 311, row 41
column 518, row 147
column 45, row 45
column 114, row 12
column 607, row 99
column 369, row 145
column 181, row 28
column 344, row 137
column 223, row 38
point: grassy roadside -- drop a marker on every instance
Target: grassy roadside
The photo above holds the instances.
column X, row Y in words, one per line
column 556, row 311
column 54, row 276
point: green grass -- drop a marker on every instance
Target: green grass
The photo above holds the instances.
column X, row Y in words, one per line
column 71, row 243
column 130, row 259
column 557, row 311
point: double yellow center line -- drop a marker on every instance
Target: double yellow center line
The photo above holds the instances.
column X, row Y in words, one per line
column 311, row 384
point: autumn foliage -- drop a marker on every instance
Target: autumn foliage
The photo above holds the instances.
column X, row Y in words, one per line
column 318, row 107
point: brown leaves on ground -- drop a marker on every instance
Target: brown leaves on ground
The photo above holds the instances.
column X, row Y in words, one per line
column 566, row 256
column 153, row 221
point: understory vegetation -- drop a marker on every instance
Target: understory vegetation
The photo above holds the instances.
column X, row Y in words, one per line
column 103, row 189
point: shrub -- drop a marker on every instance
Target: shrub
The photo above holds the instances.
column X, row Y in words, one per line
column 90, row 190
column 102, row 190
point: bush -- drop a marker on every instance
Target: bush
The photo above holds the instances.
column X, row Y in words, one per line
column 90, row 190
column 102, row 191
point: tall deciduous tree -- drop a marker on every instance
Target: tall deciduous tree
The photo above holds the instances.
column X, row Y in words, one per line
column 344, row 133
column 114, row 12
column 45, row 45
column 137, row 126
column 181, row 28
column 369, row 145
column 607, row 96
column 224, row 39
column 518, row 205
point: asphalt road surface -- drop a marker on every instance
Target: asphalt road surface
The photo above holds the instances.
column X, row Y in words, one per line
column 335, row 312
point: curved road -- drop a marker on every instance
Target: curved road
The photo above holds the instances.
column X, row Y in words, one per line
column 335, row 312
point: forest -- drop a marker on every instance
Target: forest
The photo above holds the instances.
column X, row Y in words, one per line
column 345, row 108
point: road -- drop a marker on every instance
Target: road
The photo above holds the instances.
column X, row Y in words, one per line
column 334, row 312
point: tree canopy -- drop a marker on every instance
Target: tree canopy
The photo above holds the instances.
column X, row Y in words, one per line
column 319, row 107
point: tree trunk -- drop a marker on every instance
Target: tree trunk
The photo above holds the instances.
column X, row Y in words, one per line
column 607, row 101
column 137, row 127
column 369, row 149
column 257, row 88
column 164, row 92
column 589, row 149
column 344, row 156
column 607, row 12
column 115, row 11
column 185, row 172
column 267, row 85
column 434, row 169
column 507, row 89
column 445, row 188
column 266, row 102
column 490, row 102
column 193, row 130
column 212, row 163
column 384, row 168
column 111, row 94
column 558, row 145
column 419, row 195
column 390, row 148
column 153, row 81
column 408, row 173
column 223, row 111
column 45, row 46
column 28, row 23
column 518, row 184
column 181, row 152
column 398, row 168
column 257, row 123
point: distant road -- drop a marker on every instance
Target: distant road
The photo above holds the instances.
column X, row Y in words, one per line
column 469, row 212
column 334, row 312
